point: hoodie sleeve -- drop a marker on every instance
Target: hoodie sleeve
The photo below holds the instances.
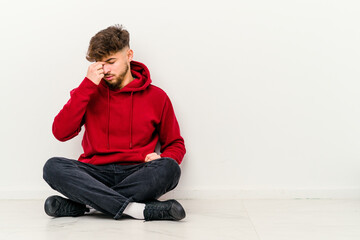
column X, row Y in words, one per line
column 67, row 124
column 172, row 144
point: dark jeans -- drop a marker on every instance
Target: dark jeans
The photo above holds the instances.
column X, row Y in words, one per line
column 109, row 188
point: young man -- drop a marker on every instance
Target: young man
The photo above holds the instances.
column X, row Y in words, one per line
column 125, row 116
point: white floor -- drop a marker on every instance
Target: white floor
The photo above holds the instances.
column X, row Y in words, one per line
column 206, row 219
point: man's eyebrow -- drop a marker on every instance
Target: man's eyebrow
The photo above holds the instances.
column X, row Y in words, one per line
column 109, row 59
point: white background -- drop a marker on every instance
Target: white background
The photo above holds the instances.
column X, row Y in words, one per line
column 266, row 92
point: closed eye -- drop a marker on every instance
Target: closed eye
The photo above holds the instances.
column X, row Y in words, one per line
column 111, row 60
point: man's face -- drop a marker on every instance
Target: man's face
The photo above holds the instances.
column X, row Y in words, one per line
column 116, row 67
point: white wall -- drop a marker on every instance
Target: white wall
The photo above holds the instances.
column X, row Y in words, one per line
column 267, row 93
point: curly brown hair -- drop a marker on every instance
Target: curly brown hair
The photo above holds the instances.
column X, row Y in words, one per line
column 107, row 42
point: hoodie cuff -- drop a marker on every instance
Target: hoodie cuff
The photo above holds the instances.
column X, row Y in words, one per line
column 87, row 83
column 86, row 87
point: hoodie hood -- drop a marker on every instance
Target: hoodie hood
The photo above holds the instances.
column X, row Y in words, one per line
column 141, row 80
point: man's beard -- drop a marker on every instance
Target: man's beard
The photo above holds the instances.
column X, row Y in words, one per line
column 118, row 80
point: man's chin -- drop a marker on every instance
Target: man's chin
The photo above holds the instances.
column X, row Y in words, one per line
column 113, row 84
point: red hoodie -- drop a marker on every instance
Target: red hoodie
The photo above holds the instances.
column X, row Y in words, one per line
column 121, row 125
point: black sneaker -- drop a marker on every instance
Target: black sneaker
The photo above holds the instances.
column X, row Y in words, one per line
column 167, row 210
column 56, row 206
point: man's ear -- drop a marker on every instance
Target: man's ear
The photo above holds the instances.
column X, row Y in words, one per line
column 130, row 55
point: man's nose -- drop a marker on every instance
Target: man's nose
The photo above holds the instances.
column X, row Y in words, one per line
column 106, row 68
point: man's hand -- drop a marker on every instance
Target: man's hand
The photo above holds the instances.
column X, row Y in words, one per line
column 95, row 72
column 152, row 156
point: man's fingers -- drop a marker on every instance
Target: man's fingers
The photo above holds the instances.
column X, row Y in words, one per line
column 152, row 156
column 149, row 157
column 96, row 72
column 97, row 65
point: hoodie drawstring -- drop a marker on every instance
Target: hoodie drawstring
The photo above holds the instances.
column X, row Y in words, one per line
column 131, row 119
column 108, row 122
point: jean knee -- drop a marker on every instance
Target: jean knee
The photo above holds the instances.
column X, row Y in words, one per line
column 170, row 171
column 51, row 168
column 172, row 166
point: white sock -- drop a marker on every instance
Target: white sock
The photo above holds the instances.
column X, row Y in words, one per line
column 91, row 210
column 135, row 210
